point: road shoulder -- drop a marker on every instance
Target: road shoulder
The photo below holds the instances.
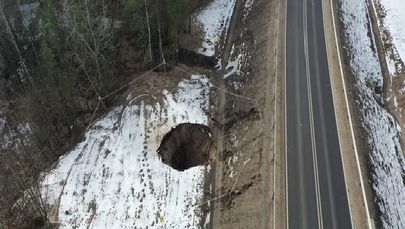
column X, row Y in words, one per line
column 247, row 155
column 354, row 189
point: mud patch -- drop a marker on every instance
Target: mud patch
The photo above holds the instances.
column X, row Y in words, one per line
column 186, row 146
column 191, row 58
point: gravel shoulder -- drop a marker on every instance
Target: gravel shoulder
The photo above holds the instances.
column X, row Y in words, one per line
column 350, row 163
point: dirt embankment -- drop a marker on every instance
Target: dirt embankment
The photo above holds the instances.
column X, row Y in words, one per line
column 394, row 98
column 244, row 168
column 243, row 122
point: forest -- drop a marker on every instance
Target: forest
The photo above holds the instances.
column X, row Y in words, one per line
column 58, row 59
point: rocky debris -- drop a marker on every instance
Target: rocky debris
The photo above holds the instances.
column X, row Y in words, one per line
column 377, row 91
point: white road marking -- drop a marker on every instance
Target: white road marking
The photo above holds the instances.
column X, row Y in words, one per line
column 275, row 121
column 311, row 118
column 303, row 191
column 285, row 113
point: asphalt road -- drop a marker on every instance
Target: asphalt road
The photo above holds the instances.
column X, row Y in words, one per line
column 317, row 196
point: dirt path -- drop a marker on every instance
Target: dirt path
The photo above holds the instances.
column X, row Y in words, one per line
column 221, row 118
column 357, row 202
column 53, row 215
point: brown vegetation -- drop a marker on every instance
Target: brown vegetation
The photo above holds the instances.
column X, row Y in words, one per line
column 61, row 59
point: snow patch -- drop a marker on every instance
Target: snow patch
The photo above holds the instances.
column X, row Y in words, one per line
column 233, row 63
column 215, row 21
column 394, row 21
column 28, row 12
column 386, row 158
column 2, row 124
column 248, row 8
column 115, row 179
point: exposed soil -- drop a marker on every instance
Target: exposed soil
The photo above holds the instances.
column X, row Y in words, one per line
column 191, row 58
column 244, row 117
column 130, row 57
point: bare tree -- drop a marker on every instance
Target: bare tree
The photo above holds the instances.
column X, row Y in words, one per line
column 20, row 190
column 9, row 37
column 149, row 33
column 159, row 33
column 90, row 36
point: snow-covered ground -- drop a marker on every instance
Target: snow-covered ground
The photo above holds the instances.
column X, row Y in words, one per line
column 114, row 178
column 14, row 139
column 386, row 158
column 393, row 31
column 214, row 20
column 391, row 19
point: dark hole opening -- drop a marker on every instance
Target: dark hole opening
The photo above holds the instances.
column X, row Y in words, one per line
column 186, row 146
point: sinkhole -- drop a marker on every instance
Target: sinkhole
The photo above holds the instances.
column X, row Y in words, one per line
column 187, row 145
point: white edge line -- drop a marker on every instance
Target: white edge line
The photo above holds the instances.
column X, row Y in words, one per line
column 275, row 122
column 350, row 120
column 285, row 113
column 311, row 116
column 336, row 119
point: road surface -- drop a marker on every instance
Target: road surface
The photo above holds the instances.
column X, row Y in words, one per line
column 316, row 189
